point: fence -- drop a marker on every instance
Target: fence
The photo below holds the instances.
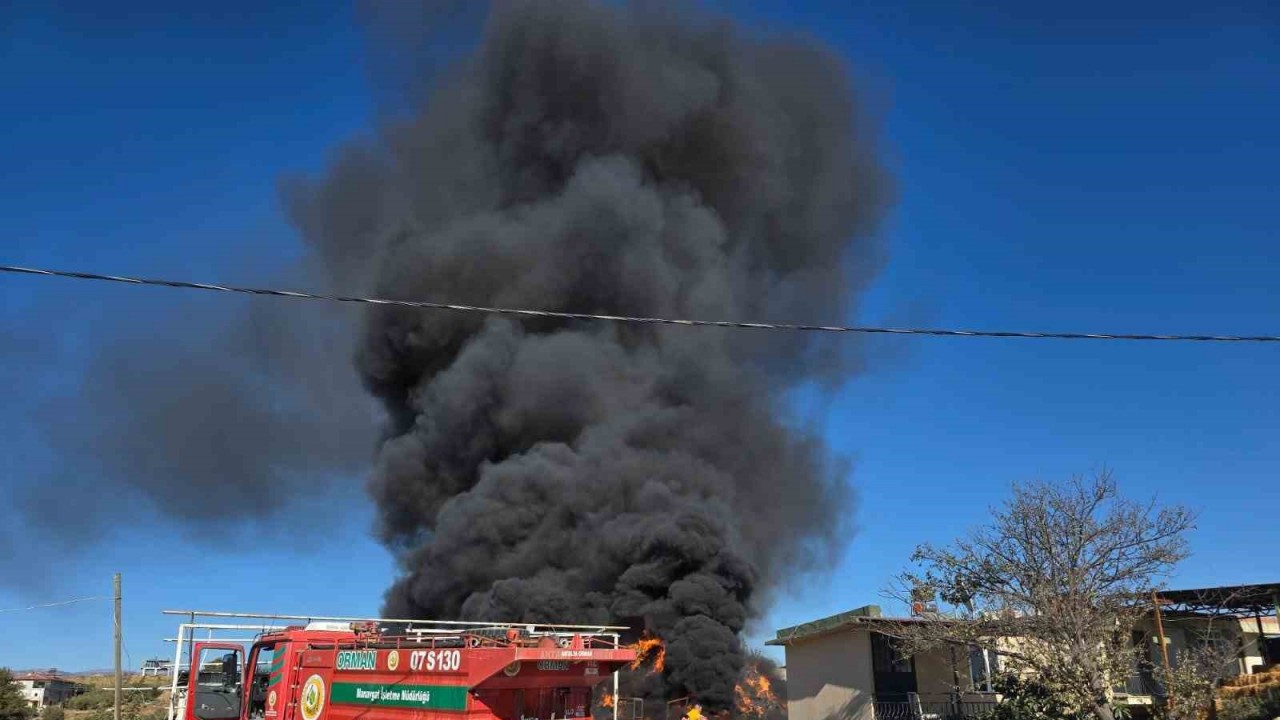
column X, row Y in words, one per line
column 915, row 707
column 1141, row 684
column 630, row 708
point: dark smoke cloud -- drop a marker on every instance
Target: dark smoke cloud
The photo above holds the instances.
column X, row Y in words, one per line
column 204, row 414
column 633, row 160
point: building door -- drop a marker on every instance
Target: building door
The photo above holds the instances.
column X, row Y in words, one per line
column 1271, row 648
column 1143, row 681
column 894, row 673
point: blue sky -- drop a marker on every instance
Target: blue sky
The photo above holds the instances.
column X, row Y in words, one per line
column 1098, row 167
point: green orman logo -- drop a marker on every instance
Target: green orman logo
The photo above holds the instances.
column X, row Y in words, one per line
column 312, row 698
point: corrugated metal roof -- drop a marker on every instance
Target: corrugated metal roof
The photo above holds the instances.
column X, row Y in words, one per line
column 1259, row 599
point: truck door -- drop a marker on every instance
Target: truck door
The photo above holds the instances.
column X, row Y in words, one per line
column 266, row 669
column 215, row 684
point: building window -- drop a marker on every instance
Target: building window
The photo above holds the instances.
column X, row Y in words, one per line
column 886, row 658
column 983, row 665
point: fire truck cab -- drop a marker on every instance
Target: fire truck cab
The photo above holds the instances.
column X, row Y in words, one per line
column 375, row 670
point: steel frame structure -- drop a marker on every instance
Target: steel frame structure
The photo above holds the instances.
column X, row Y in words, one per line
column 218, row 624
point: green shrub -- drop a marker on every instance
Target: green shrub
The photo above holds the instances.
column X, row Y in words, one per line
column 105, row 699
column 13, row 706
column 140, row 697
column 1026, row 698
column 101, row 714
column 96, row 699
column 150, row 714
column 53, row 712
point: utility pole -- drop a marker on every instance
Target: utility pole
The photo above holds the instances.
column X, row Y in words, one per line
column 1164, row 646
column 119, row 672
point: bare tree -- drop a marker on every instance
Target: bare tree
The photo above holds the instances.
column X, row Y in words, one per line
column 1054, row 584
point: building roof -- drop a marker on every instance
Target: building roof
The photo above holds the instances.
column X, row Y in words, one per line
column 45, row 676
column 1257, row 599
column 1247, row 600
column 868, row 615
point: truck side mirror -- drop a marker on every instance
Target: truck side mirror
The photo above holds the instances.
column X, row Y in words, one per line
column 231, row 669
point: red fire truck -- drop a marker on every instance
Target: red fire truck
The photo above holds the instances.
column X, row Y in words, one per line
column 397, row 670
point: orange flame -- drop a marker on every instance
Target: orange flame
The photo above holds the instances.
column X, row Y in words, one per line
column 652, row 650
column 753, row 695
column 607, row 700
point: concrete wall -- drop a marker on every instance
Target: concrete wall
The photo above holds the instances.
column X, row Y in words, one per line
column 1252, row 646
column 1240, row 633
column 829, row 677
column 33, row 695
column 49, row 692
column 937, row 677
column 934, row 678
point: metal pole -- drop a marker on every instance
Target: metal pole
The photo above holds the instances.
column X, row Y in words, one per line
column 986, row 668
column 1164, row 647
column 177, row 660
column 462, row 623
column 1276, row 600
column 119, row 671
column 616, row 699
column 191, row 637
column 1262, row 642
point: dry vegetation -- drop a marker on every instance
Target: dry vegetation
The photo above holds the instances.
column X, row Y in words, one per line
column 130, row 681
column 150, row 703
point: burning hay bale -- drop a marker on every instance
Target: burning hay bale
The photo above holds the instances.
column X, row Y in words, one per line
column 761, row 692
column 651, row 653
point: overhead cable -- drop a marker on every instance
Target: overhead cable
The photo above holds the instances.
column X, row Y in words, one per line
column 525, row 312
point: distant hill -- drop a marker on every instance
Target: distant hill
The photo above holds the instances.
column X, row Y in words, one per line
column 76, row 673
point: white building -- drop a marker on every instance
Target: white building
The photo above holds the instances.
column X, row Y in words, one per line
column 844, row 668
column 157, row 666
column 42, row 689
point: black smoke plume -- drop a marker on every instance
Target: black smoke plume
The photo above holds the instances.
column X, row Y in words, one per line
column 641, row 160
column 214, row 416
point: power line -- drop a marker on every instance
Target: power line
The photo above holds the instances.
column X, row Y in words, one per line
column 55, row 604
column 522, row 312
column 128, row 659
